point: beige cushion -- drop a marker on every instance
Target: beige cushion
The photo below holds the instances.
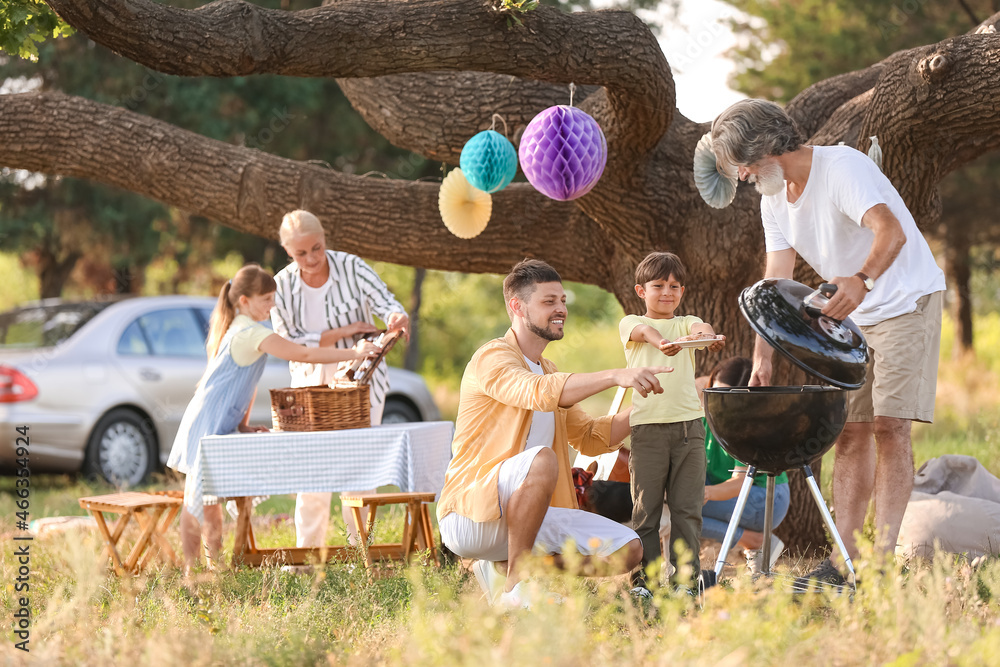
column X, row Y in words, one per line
column 956, row 504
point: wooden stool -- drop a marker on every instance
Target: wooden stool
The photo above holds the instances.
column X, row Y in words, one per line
column 416, row 527
column 147, row 509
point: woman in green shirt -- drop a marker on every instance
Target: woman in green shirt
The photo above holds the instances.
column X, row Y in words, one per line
column 724, row 477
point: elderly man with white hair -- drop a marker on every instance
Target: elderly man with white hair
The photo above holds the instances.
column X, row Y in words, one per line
column 832, row 206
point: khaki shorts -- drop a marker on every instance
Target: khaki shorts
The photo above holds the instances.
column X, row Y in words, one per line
column 902, row 370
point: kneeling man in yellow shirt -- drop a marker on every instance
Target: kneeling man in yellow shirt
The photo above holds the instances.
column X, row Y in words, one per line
column 509, row 487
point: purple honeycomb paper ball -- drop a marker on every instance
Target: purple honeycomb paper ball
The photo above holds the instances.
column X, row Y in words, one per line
column 563, row 152
column 489, row 161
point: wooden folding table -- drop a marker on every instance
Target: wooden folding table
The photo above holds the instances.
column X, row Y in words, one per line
column 153, row 513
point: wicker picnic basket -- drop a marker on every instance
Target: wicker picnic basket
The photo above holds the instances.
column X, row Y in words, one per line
column 322, row 408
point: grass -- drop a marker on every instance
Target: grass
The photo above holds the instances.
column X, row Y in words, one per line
column 940, row 612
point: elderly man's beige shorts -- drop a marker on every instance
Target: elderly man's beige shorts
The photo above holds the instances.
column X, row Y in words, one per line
column 902, row 370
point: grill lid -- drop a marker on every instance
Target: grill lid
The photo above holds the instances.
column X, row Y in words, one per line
column 786, row 314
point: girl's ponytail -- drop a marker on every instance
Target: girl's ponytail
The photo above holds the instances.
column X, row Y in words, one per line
column 222, row 317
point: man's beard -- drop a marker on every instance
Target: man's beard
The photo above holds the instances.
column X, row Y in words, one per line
column 770, row 180
column 544, row 334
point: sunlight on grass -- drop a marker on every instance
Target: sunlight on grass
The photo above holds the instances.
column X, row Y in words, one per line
column 943, row 612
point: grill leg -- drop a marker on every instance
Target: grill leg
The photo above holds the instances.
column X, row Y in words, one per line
column 768, row 525
column 741, row 502
column 828, row 519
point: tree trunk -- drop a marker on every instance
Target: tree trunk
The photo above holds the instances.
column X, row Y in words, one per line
column 958, row 270
column 53, row 271
column 412, row 361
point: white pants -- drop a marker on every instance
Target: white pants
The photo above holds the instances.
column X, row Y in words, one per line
column 593, row 535
column 312, row 510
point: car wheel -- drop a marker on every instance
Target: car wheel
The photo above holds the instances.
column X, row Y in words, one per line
column 398, row 411
column 122, row 449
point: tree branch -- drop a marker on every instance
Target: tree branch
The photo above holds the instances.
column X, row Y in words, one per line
column 250, row 190
column 934, row 109
column 815, row 105
column 366, row 38
column 434, row 114
column 991, row 21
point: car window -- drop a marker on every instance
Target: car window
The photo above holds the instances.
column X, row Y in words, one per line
column 176, row 332
column 44, row 325
column 205, row 315
column 132, row 342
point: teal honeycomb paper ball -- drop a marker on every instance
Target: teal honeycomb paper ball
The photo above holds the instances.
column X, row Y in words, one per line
column 488, row 161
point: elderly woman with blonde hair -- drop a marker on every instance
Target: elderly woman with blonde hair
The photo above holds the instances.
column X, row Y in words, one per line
column 327, row 298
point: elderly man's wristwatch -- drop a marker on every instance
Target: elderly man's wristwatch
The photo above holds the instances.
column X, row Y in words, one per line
column 868, row 282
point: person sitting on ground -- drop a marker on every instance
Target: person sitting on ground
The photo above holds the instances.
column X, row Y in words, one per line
column 724, row 477
column 237, row 347
column 508, row 489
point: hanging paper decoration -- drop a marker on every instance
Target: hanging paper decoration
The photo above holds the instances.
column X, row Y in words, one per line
column 563, row 152
column 875, row 152
column 717, row 188
column 464, row 209
column 489, row 161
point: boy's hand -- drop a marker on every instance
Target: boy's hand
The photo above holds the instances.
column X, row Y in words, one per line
column 717, row 345
column 668, row 348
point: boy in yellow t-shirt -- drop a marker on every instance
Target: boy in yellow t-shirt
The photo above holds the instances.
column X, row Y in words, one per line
column 668, row 438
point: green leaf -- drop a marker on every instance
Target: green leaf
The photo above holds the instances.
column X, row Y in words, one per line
column 24, row 23
column 19, row 14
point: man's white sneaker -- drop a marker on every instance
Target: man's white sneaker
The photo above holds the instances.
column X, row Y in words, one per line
column 491, row 581
column 517, row 597
column 524, row 597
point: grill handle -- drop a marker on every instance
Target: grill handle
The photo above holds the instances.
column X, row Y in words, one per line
column 817, row 300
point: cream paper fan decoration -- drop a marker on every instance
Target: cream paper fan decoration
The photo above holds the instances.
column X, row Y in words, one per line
column 464, row 209
column 716, row 188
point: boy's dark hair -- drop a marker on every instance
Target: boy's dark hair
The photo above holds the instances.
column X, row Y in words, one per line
column 527, row 273
column 659, row 266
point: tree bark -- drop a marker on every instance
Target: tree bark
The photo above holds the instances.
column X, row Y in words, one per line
column 54, row 270
column 933, row 109
column 956, row 263
column 412, row 360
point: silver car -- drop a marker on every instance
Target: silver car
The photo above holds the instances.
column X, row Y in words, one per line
column 102, row 385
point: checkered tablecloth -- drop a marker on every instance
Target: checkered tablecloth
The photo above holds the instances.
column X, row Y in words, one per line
column 412, row 456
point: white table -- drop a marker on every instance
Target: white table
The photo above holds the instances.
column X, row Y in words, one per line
column 413, row 456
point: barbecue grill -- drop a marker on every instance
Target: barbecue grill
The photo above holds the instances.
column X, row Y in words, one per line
column 775, row 429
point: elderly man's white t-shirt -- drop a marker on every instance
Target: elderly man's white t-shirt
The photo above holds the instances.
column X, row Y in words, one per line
column 824, row 227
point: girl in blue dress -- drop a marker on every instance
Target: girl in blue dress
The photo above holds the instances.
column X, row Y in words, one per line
column 237, row 347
